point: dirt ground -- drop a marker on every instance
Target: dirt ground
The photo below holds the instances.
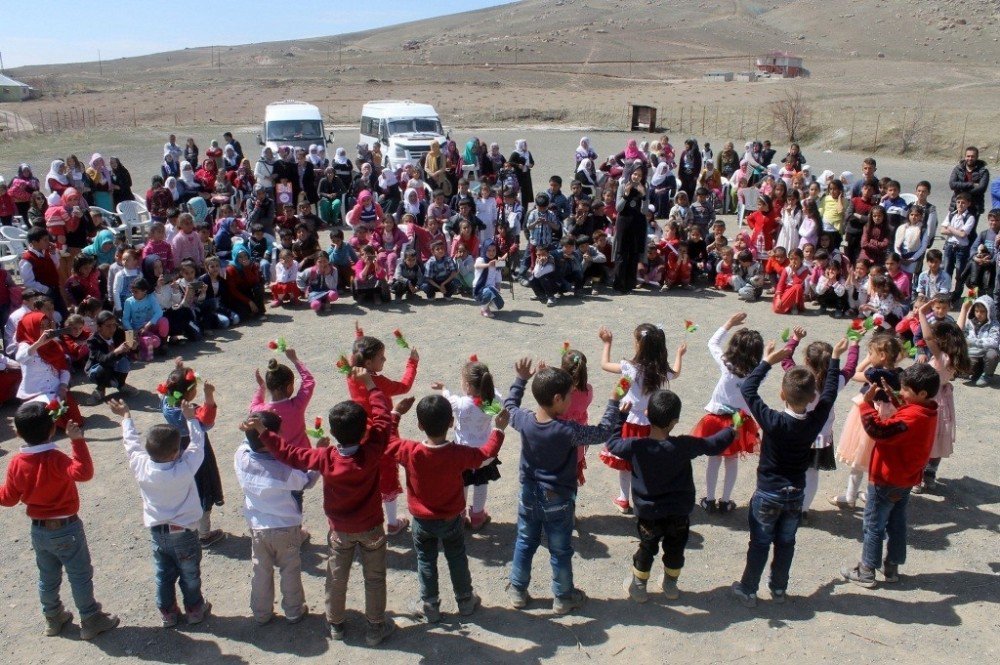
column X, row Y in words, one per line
column 943, row 610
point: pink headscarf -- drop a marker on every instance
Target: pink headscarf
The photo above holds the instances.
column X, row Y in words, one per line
column 632, row 150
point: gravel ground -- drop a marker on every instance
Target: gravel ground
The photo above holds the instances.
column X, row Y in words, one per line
column 944, row 609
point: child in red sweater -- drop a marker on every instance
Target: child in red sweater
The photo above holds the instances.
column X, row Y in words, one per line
column 44, row 479
column 435, row 493
column 369, row 354
column 903, row 444
column 350, row 471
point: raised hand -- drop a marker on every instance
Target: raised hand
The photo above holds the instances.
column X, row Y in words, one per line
column 523, row 368
column 737, row 319
column 404, row 405
column 605, row 335
column 798, row 332
column 437, row 385
column 188, row 409
column 73, row 431
column 119, row 408
column 840, row 347
column 501, row 420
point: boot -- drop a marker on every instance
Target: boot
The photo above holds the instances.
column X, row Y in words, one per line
column 96, row 624
column 669, row 584
column 478, row 520
column 636, row 587
column 54, row 622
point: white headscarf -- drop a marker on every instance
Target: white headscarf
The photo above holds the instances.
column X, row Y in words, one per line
column 825, row 176
column 660, row 175
column 54, row 172
column 340, row 157
column 187, row 174
column 171, row 185
column 521, row 146
column 847, row 178
column 411, row 202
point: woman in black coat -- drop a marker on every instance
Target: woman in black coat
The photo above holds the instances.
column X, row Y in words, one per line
column 304, row 181
column 630, row 230
column 689, row 167
column 122, row 181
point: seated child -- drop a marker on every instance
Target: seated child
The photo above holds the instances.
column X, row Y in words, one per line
column 466, row 268
column 789, row 293
column 144, row 318
column 285, row 289
column 570, row 267
column 678, row 270
column 157, row 245
column 74, row 341
column 663, row 490
column 44, row 479
column 650, row 271
column 724, row 269
column 933, row 280
column 409, row 276
column 543, row 280
column 107, row 361
column 777, row 261
column 747, row 279
column 831, row 292
column 594, row 264
column 320, row 284
column 440, row 273
column 982, row 335
column 342, row 257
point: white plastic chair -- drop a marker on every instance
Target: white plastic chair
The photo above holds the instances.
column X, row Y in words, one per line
column 909, row 198
column 747, row 198
column 112, row 222
column 14, row 233
column 10, row 258
column 136, row 219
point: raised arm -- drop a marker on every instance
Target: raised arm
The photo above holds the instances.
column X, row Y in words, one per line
column 605, row 336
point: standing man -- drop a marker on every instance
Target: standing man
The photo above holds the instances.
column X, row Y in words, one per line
column 171, row 148
column 970, row 176
column 230, row 141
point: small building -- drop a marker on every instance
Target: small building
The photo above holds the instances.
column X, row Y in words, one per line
column 780, row 63
column 14, row 91
column 643, row 118
column 747, row 77
column 718, row 77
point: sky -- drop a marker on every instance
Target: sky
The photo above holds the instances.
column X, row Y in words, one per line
column 45, row 32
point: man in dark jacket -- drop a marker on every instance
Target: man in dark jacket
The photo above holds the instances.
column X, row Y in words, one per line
column 971, row 176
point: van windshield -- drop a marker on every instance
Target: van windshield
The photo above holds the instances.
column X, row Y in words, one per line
column 287, row 130
column 415, row 125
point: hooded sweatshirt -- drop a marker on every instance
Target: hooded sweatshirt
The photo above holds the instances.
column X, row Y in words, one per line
column 983, row 335
column 903, row 443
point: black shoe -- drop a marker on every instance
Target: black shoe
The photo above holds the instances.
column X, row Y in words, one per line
column 336, row 631
column 727, row 506
column 709, row 506
column 859, row 575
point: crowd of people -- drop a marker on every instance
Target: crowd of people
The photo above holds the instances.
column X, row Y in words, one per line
column 231, row 241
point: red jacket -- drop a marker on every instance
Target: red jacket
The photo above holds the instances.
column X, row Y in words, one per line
column 434, row 486
column 903, row 443
column 391, row 388
column 351, row 498
column 45, row 268
column 44, row 479
column 765, row 227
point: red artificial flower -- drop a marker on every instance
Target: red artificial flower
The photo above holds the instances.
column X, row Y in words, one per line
column 318, row 423
column 272, row 345
column 858, row 324
column 189, row 376
column 878, row 320
column 53, row 405
column 478, row 401
column 473, row 358
column 162, row 389
column 397, row 333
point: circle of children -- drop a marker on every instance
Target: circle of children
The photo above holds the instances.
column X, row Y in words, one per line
column 858, row 249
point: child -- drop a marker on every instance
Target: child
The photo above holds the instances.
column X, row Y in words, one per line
column 215, row 311
column 440, row 273
column 157, row 245
column 776, row 507
column 817, row 359
column 831, row 292
column 742, row 354
column 902, row 446
column 698, row 253
column 182, row 386
column 107, row 361
column 855, row 446
column 409, row 276
column 857, row 287
column 663, row 487
column 574, row 363
column 724, row 270
column 369, row 354
column 650, row 271
column 279, row 383
column 165, row 471
column 44, row 479
column 320, row 284
column 648, row 371
column 747, row 278
column 472, row 428
column 435, row 469
column 789, row 293
column 187, row 243
column 486, row 285
column 273, row 510
column 570, row 267
column 982, row 335
column 370, row 277
column 777, row 261
column 74, row 342
column 763, row 227
column 144, row 318
column 594, row 264
column 883, row 300
column 933, row 280
column 343, row 257
column 543, row 277
column 466, row 268
column 83, row 283
column 548, row 482
column 350, row 471
column 950, row 357
column 244, row 285
column 678, row 271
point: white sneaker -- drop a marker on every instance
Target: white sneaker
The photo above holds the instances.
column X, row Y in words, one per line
column 550, row 303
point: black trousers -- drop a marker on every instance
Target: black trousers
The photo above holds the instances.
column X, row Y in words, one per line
column 672, row 531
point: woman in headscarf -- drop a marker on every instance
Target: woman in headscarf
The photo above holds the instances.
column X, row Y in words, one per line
column 412, row 205
column 329, row 190
column 171, row 185
column 177, row 309
column 214, row 153
column 170, row 167
column 343, row 168
column 304, row 183
column 230, row 160
column 314, row 157
column 100, row 178
column 36, row 210
column 45, row 370
column 662, row 188
column 388, row 184
column 711, row 180
column 586, row 173
column 473, row 154
column 79, row 224
column 191, row 152
column 496, row 157
column 630, row 230
column 243, row 180
column 690, row 167
column 121, row 182
column 188, row 186
column 584, row 151
column 263, row 170
column 56, row 180
column 244, row 286
column 206, row 174
column 102, row 249
column 452, row 167
column 434, row 166
column 522, row 161
column 78, row 180
column 21, row 188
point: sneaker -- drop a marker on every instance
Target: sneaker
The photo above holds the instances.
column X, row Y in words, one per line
column 302, row 615
column 664, row 288
column 890, row 572
column 635, row 588
column 467, row 606
column 919, row 489
column 778, row 596
column 727, row 506
column 336, row 631
column 710, row 506
column 574, row 600
column 550, row 303
column 478, row 520
column 523, row 282
column 378, row 632
column 863, row 497
column 169, row 618
column 429, row 611
column 859, row 575
column 54, row 623
column 484, row 311
column 398, row 527
column 96, row 624
column 669, row 586
column 982, row 382
column 746, row 599
column 623, row 506
column 199, row 614
column 518, row 598
column 211, row 538
column 841, row 501
column 95, row 398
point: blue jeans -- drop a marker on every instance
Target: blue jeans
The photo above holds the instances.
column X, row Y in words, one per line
column 102, row 376
column 426, row 534
column 885, row 515
column 774, row 518
column 539, row 510
column 955, row 258
column 488, row 295
column 265, row 270
column 177, row 558
column 56, row 549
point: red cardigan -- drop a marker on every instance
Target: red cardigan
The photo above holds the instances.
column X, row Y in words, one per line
column 903, row 443
column 44, row 478
column 434, row 487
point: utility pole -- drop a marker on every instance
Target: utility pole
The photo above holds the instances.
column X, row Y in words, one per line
column 1, row 62
column 100, row 63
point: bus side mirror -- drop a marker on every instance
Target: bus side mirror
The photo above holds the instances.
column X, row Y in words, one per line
column 329, row 137
column 260, row 140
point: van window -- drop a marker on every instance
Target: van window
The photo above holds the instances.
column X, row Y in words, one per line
column 369, row 126
column 287, row 130
column 419, row 125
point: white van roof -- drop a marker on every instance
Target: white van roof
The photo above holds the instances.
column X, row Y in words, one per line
column 290, row 109
column 391, row 108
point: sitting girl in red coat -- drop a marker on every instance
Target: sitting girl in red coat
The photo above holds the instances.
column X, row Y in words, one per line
column 789, row 293
column 763, row 227
column 678, row 268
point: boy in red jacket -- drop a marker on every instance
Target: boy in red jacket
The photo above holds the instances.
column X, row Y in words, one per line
column 435, row 495
column 44, row 479
column 351, row 501
column 903, row 444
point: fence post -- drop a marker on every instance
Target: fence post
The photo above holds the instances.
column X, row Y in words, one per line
column 961, row 146
column 756, row 131
column 878, row 117
column 716, row 119
column 903, row 133
column 702, row 120
column 850, row 142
